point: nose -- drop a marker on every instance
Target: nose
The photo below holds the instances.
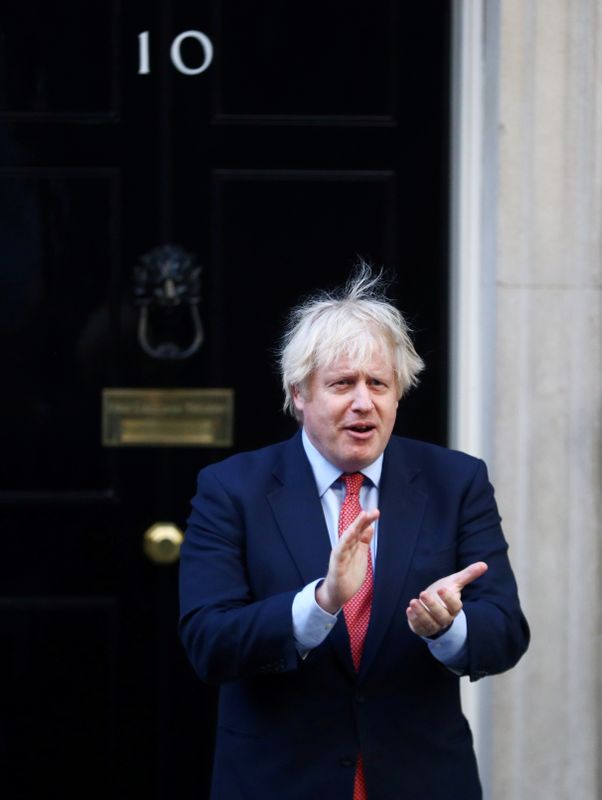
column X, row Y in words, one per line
column 362, row 399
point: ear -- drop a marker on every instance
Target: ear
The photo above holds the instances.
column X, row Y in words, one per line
column 298, row 399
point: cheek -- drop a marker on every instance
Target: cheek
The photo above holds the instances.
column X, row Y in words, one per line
column 318, row 419
column 390, row 414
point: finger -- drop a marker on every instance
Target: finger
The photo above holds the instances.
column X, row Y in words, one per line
column 451, row 600
column 360, row 527
column 469, row 574
column 358, row 534
column 435, row 607
column 422, row 618
column 419, row 619
column 348, row 545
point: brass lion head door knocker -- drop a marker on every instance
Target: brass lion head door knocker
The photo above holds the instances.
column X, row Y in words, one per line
column 167, row 289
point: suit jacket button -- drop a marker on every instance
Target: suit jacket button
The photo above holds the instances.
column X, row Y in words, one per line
column 360, row 698
column 347, row 762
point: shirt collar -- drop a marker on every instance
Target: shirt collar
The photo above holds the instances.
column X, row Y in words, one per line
column 326, row 474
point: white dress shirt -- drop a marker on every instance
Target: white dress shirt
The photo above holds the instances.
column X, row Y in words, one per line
column 311, row 624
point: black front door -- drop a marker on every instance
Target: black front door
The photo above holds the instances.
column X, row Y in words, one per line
column 274, row 143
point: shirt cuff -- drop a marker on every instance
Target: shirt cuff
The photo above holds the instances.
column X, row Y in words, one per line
column 311, row 624
column 451, row 648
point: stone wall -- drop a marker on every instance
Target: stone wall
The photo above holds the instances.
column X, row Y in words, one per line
column 545, row 738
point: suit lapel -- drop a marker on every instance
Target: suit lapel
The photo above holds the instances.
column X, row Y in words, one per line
column 401, row 511
column 298, row 512
column 297, row 509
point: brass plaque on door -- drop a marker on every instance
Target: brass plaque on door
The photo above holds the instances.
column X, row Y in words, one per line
column 167, row 417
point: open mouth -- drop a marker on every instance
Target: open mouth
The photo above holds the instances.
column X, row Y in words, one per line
column 361, row 428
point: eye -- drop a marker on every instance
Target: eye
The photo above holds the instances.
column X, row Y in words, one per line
column 377, row 382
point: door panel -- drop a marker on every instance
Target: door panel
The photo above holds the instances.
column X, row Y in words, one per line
column 307, row 62
column 57, row 268
column 65, row 708
column 59, row 60
column 316, row 135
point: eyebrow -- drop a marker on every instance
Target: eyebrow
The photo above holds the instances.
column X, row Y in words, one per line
column 349, row 372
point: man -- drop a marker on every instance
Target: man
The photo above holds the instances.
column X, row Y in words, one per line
column 338, row 584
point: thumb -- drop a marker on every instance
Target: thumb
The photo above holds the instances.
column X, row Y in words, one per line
column 469, row 574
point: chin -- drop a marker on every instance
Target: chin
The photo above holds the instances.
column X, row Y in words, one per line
column 356, row 462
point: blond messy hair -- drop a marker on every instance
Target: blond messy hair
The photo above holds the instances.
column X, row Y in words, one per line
column 353, row 322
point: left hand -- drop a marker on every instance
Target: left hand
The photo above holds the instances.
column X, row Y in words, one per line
column 438, row 605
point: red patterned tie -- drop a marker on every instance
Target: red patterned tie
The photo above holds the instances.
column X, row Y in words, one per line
column 357, row 610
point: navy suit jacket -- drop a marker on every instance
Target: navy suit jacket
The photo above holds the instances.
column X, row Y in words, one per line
column 291, row 729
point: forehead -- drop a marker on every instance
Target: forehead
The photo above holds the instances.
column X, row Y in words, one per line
column 377, row 362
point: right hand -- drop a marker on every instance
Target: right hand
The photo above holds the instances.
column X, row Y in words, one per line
column 348, row 563
column 437, row 606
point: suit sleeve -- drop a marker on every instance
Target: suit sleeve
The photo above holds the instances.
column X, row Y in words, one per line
column 228, row 634
column 498, row 633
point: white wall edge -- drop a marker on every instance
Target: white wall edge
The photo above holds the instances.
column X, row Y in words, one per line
column 473, row 212
column 465, row 230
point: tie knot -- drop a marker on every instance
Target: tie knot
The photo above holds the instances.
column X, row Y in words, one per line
column 353, row 482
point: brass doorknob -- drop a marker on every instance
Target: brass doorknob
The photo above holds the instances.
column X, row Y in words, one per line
column 162, row 542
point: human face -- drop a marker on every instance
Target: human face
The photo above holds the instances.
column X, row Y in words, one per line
column 349, row 413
